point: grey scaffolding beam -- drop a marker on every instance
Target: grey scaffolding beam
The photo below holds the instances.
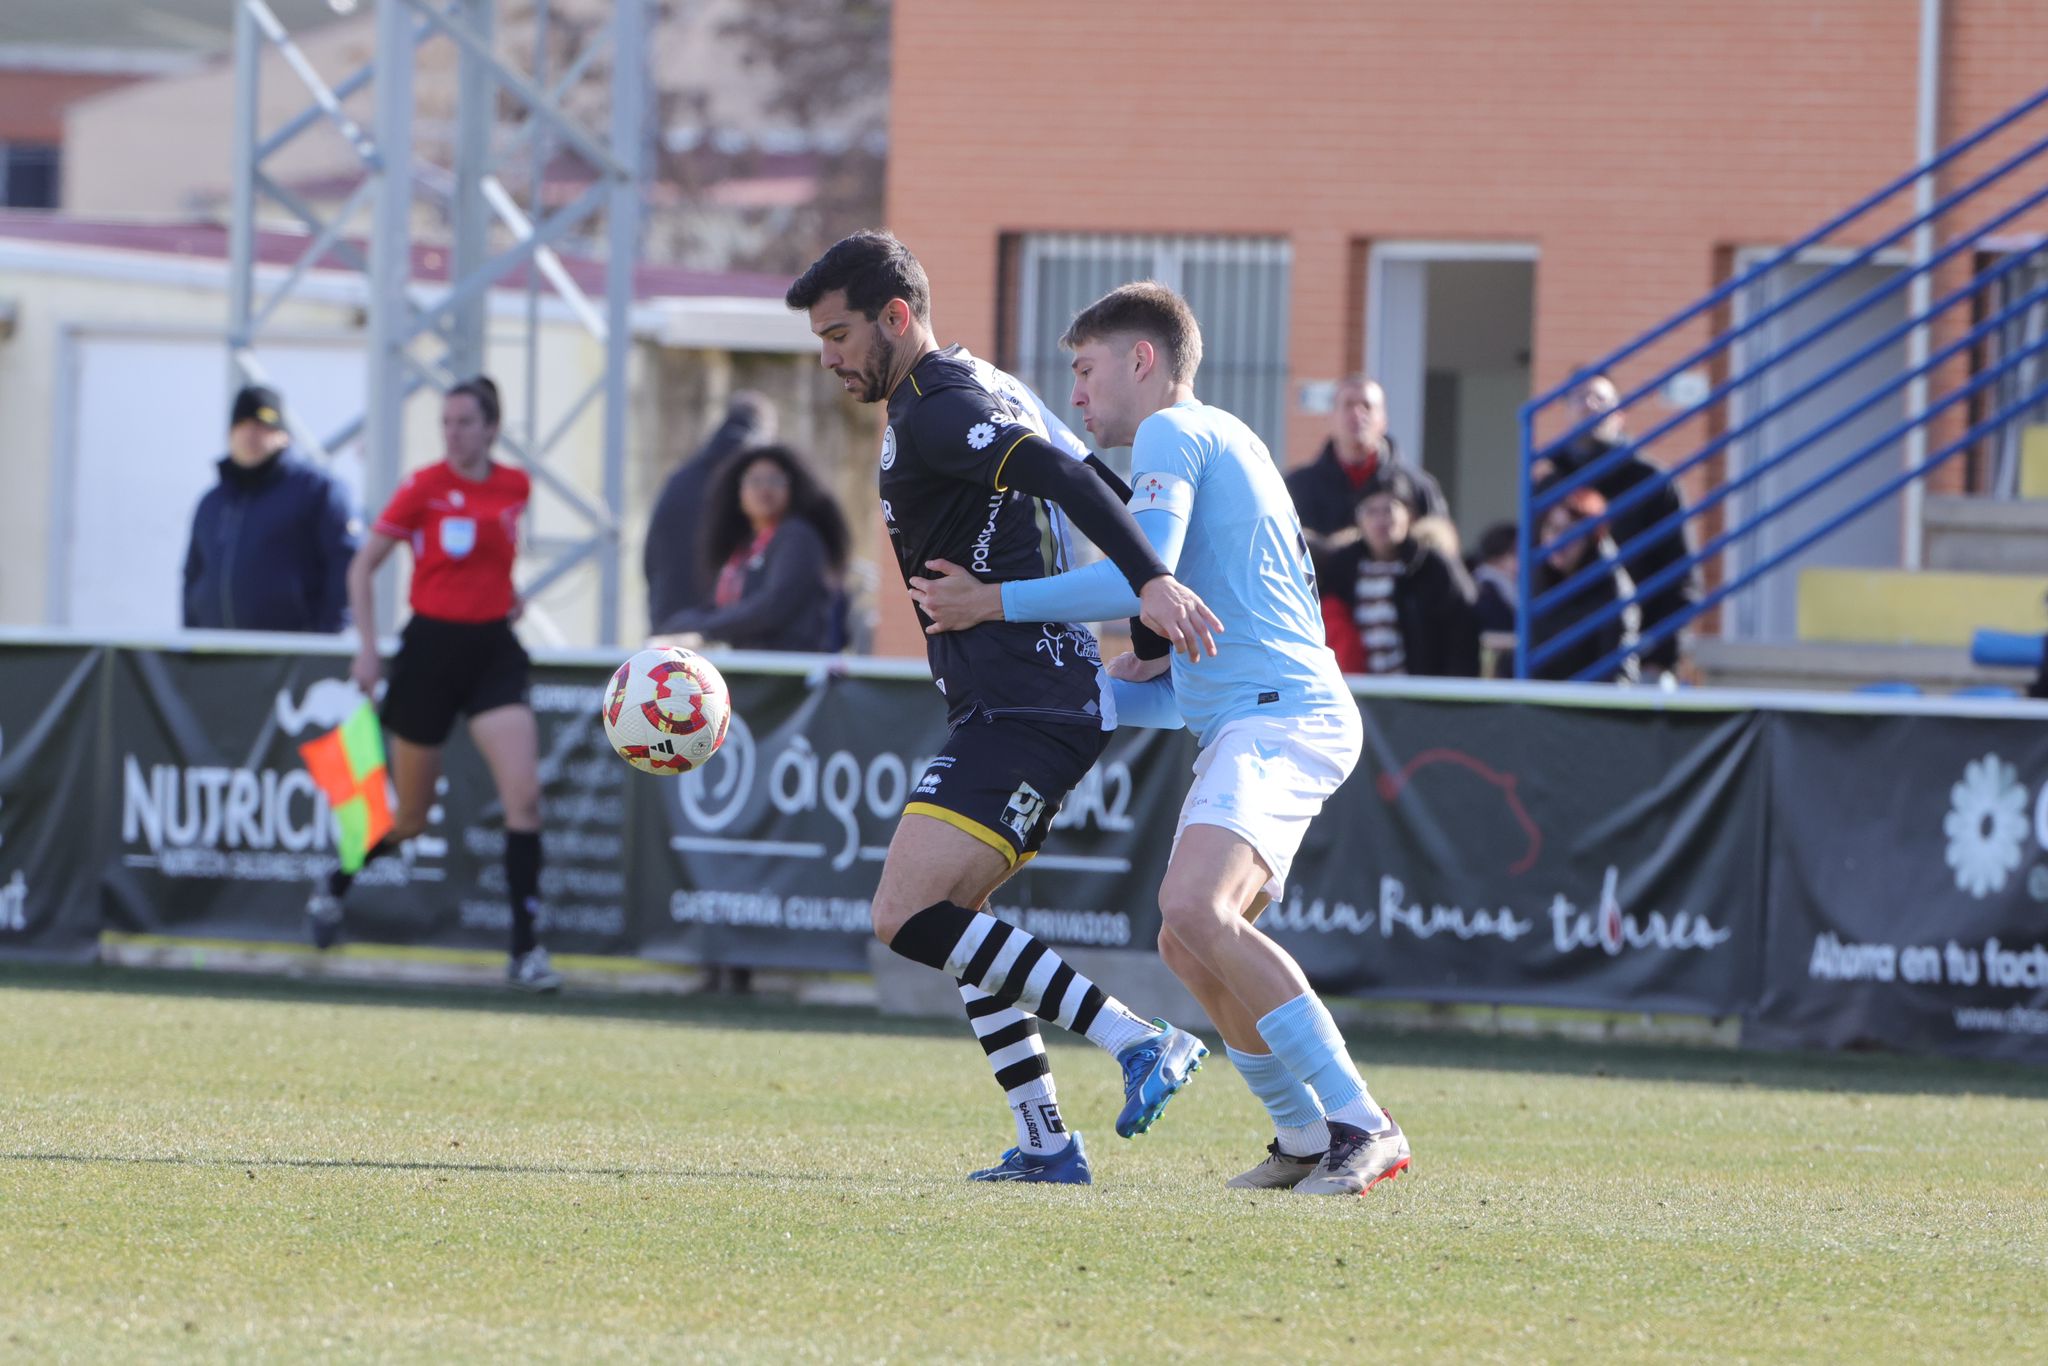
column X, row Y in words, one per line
column 428, row 335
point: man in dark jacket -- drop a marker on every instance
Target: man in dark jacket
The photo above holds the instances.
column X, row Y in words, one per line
column 1328, row 490
column 272, row 541
column 676, row 581
column 1598, row 395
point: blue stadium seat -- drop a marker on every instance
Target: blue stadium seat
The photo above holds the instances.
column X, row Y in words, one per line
column 2006, row 649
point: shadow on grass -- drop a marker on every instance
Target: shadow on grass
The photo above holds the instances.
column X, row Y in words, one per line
column 760, row 1010
column 1374, row 1047
column 373, row 1165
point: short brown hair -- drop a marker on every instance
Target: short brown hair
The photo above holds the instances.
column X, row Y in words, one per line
column 1151, row 310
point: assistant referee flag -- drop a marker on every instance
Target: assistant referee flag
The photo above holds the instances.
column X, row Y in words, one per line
column 348, row 765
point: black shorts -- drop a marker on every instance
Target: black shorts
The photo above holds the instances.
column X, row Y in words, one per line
column 1002, row 781
column 446, row 669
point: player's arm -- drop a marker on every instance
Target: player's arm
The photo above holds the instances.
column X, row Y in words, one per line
column 1162, row 502
column 1141, row 554
column 964, row 434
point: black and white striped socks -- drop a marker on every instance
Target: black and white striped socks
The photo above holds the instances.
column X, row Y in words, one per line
column 1016, row 1054
column 1018, row 969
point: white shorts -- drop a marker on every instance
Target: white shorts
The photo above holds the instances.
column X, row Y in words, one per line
column 1265, row 778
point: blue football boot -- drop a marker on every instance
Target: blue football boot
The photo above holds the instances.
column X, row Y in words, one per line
column 1153, row 1070
column 1067, row 1167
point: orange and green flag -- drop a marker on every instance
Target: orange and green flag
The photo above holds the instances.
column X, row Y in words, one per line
column 348, row 765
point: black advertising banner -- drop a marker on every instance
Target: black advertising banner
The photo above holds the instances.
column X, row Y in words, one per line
column 217, row 829
column 1836, row 879
column 50, row 708
column 774, row 847
column 1908, row 886
column 1538, row 855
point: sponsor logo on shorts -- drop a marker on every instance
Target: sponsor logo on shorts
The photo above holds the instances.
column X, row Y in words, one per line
column 1022, row 811
column 934, row 773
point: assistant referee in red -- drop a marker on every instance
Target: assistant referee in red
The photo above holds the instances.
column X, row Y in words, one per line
column 457, row 656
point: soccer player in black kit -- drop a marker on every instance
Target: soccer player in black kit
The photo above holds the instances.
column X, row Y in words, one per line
column 963, row 461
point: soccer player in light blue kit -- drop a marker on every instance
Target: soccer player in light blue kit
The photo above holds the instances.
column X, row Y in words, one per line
column 1279, row 731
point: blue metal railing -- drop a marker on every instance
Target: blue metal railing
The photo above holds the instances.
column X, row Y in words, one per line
column 1535, row 501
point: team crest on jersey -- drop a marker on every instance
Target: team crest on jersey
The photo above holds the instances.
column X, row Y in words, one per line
column 458, row 536
column 888, row 448
column 981, row 435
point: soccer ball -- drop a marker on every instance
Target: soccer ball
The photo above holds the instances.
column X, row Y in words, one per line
column 666, row 710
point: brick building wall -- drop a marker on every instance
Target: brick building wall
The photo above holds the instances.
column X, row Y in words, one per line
column 1637, row 145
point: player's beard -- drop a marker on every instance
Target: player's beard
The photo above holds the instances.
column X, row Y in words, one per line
column 874, row 376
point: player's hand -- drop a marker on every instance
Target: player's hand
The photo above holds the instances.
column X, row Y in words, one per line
column 1174, row 610
column 365, row 671
column 954, row 599
column 1128, row 668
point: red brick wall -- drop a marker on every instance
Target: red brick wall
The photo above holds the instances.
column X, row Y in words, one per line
column 1633, row 143
column 32, row 102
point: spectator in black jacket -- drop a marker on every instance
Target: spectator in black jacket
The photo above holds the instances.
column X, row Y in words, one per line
column 1394, row 603
column 1328, row 490
column 1597, row 395
column 672, row 559
column 775, row 549
column 272, row 541
column 1605, row 588
column 1495, row 578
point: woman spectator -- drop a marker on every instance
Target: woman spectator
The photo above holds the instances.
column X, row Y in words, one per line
column 456, row 656
column 775, row 546
column 1395, row 604
column 1609, row 585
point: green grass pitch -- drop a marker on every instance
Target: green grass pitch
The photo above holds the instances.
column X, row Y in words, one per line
column 195, row 1166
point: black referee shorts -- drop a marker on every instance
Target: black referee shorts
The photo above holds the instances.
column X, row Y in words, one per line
column 1002, row 780
column 446, row 669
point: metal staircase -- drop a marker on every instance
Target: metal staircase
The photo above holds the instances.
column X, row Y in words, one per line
column 1806, row 401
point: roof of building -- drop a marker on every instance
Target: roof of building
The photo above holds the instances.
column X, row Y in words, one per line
column 204, row 241
column 121, row 36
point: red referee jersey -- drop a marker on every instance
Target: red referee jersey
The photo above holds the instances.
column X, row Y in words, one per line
column 464, row 534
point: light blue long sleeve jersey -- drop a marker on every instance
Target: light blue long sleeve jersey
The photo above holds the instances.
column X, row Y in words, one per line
column 1207, row 494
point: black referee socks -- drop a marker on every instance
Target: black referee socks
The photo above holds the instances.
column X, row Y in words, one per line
column 522, row 885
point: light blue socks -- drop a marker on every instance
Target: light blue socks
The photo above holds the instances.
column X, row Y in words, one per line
column 1305, row 1040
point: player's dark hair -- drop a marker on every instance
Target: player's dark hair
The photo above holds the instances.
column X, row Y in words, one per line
column 873, row 268
column 726, row 528
column 1150, row 310
column 484, row 390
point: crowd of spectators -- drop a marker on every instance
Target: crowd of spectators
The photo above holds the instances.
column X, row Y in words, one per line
column 747, row 548
column 1399, row 597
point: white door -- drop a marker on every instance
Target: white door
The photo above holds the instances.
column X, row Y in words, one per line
column 148, row 420
column 1768, row 610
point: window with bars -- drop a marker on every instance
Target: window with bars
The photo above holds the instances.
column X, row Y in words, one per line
column 1237, row 286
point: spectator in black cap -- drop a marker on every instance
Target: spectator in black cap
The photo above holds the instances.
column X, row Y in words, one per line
column 271, row 542
column 1392, row 602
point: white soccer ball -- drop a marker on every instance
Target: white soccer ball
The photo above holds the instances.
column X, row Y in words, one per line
column 666, row 710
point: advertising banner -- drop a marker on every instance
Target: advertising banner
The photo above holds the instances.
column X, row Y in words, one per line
column 1836, row 879
column 50, row 753
column 217, row 829
column 1908, row 886
column 1538, row 855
